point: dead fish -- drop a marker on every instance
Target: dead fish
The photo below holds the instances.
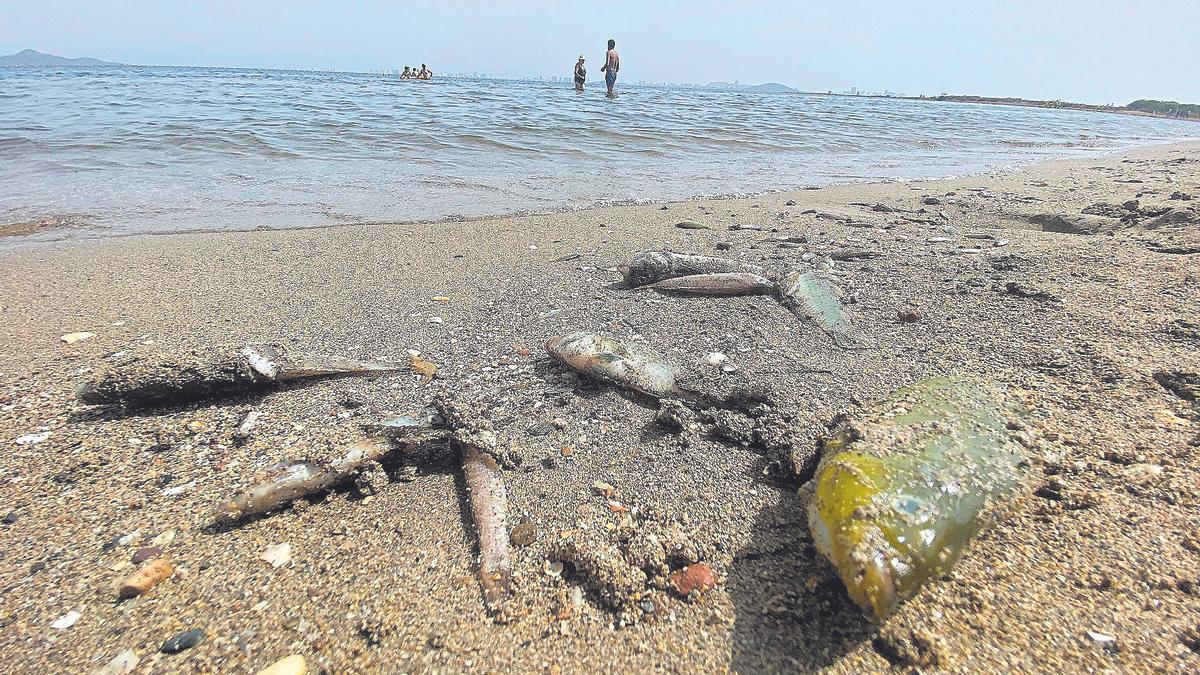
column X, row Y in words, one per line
column 904, row 486
column 628, row 364
column 691, row 225
column 724, row 283
column 292, row 479
column 813, row 297
column 652, row 266
column 489, row 506
column 212, row 372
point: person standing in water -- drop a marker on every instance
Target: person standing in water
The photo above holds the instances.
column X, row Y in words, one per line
column 612, row 63
column 580, row 74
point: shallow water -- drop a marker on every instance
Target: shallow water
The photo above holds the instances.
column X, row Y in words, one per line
column 141, row 149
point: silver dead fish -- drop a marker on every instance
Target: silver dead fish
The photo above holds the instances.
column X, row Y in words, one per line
column 212, row 372
column 489, row 506
column 722, row 283
column 652, row 266
column 292, row 479
column 628, row 364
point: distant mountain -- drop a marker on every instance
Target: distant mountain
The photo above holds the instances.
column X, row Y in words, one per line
column 29, row 57
column 768, row 88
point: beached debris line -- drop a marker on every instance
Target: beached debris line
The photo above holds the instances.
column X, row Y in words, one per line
column 904, row 486
column 213, row 372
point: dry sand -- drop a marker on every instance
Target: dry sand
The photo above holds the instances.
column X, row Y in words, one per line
column 382, row 577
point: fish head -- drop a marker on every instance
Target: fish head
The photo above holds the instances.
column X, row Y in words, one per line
column 846, row 525
column 647, row 268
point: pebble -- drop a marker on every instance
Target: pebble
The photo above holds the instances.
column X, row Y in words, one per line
column 144, row 554
column 278, row 555
column 909, row 315
column 128, row 539
column 969, row 250
column 147, row 577
column 697, row 577
column 122, row 664
column 289, row 665
column 724, row 246
column 30, row 439
column 715, row 359
column 9, row 518
column 66, row 620
column 524, row 534
column 185, row 640
column 553, row 569
column 435, row 319
column 72, row 338
column 809, row 256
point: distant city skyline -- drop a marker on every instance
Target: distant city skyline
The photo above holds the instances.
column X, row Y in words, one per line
column 1095, row 51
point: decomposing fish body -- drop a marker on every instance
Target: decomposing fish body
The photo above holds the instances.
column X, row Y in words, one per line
column 723, row 283
column 292, row 479
column 489, row 506
column 212, row 372
column 411, row 427
column 628, row 364
column 813, row 297
column 652, row 266
column 902, row 488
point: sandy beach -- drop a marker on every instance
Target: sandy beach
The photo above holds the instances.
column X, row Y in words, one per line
column 1006, row 276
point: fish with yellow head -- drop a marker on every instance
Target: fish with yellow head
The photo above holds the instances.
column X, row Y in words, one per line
column 902, row 488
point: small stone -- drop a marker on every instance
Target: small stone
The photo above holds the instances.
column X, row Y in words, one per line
column 435, row 319
column 553, row 569
column 909, row 315
column 540, row 429
column 604, row 489
column 724, row 246
column 144, row 554
column 122, row 664
column 185, row 640
column 9, row 518
column 715, row 359
column 1131, row 205
column 66, row 620
column 524, row 534
column 691, row 225
column 147, row 577
column 278, row 555
column 697, row 577
column 30, row 439
column 289, row 665
column 128, row 539
column 72, row 338
column 790, row 202
column 929, row 200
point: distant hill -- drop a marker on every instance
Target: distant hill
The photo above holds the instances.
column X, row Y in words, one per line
column 29, row 57
column 1166, row 108
column 768, row 88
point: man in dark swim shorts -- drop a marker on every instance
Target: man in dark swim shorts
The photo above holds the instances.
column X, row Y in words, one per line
column 612, row 63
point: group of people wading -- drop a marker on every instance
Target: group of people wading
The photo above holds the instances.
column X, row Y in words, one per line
column 411, row 73
column 612, row 63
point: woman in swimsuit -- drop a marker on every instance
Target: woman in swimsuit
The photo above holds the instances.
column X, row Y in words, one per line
column 580, row 74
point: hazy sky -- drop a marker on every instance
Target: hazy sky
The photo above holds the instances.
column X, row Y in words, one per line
column 1100, row 51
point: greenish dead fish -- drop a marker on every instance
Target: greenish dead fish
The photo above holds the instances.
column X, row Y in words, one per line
column 212, row 372
column 723, row 283
column 903, row 487
column 691, row 225
column 628, row 364
column 813, row 297
column 653, row 266
column 293, row 479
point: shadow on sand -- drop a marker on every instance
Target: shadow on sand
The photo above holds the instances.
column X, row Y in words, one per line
column 791, row 612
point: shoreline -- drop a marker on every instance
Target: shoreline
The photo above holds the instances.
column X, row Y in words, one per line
column 20, row 234
column 383, row 575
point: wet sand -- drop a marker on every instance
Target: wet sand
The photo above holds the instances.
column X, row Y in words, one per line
column 382, row 575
